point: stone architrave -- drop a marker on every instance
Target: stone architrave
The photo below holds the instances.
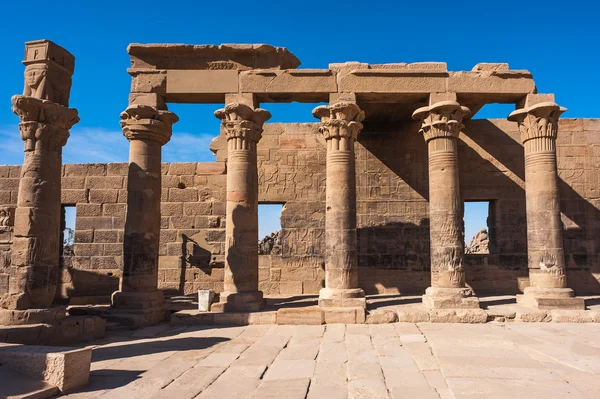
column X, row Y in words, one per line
column 147, row 129
column 45, row 120
column 538, row 124
column 441, row 124
column 243, row 126
column 340, row 125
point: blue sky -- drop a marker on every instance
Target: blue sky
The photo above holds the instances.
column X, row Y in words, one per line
column 557, row 41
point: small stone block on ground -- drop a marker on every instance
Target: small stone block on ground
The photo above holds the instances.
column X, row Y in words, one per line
column 65, row 368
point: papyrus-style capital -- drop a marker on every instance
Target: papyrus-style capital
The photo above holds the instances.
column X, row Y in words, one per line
column 442, row 119
column 143, row 122
column 43, row 121
column 340, row 120
column 537, row 121
column 243, row 122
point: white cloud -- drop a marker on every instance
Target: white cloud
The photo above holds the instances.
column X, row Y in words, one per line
column 100, row 145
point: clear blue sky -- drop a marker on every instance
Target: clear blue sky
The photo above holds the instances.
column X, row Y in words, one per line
column 559, row 42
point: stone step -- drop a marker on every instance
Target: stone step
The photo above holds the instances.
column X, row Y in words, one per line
column 16, row 385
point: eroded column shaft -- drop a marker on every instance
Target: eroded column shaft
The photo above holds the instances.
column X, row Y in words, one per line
column 142, row 224
column 242, row 124
column 36, row 244
column 445, row 215
column 147, row 128
column 341, row 270
column 546, row 259
column 241, row 259
column 340, row 125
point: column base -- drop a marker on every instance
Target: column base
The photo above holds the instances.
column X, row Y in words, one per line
column 342, row 298
column 550, row 298
column 239, row 301
column 139, row 309
column 450, row 298
column 16, row 317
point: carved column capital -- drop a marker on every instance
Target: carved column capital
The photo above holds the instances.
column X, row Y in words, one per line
column 144, row 122
column 340, row 120
column 43, row 121
column 538, row 121
column 243, row 122
column 442, row 119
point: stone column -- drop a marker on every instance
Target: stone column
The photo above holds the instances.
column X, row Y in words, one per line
column 340, row 124
column 147, row 128
column 538, row 124
column 45, row 123
column 243, row 126
column 441, row 124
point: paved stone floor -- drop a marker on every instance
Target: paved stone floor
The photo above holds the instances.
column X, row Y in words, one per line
column 399, row 360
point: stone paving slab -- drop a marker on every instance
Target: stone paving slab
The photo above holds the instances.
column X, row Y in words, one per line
column 401, row 360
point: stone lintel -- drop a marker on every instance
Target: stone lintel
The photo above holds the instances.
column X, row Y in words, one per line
column 214, row 57
column 392, row 81
column 498, row 82
column 201, row 82
column 293, row 84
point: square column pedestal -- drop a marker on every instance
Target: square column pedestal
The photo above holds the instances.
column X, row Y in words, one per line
column 550, row 298
column 450, row 298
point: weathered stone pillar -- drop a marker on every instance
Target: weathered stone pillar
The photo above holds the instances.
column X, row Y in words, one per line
column 243, row 126
column 340, row 124
column 441, row 125
column 45, row 123
column 147, row 128
column 538, row 124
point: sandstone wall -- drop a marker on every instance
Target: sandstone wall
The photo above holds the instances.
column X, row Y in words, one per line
column 393, row 226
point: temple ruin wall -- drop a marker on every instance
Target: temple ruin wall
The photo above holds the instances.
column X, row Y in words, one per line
column 392, row 212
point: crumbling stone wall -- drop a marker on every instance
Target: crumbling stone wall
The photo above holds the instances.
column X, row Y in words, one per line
column 392, row 211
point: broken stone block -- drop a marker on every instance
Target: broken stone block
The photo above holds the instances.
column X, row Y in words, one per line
column 65, row 368
column 205, row 299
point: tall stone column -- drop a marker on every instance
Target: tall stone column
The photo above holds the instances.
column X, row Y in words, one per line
column 340, row 125
column 538, row 124
column 243, row 126
column 441, row 124
column 147, row 128
column 44, row 126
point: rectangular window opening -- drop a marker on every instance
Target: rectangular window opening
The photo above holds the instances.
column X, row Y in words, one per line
column 269, row 228
column 67, row 228
column 479, row 227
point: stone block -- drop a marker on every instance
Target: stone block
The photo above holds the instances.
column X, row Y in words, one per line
column 74, row 196
column 288, row 81
column 343, row 315
column 392, row 81
column 305, row 315
column 183, row 195
column 182, row 168
column 65, row 368
column 210, row 168
column 103, row 196
column 202, row 81
column 458, row 316
column 413, row 315
column 104, row 182
column 381, row 316
column 205, row 299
